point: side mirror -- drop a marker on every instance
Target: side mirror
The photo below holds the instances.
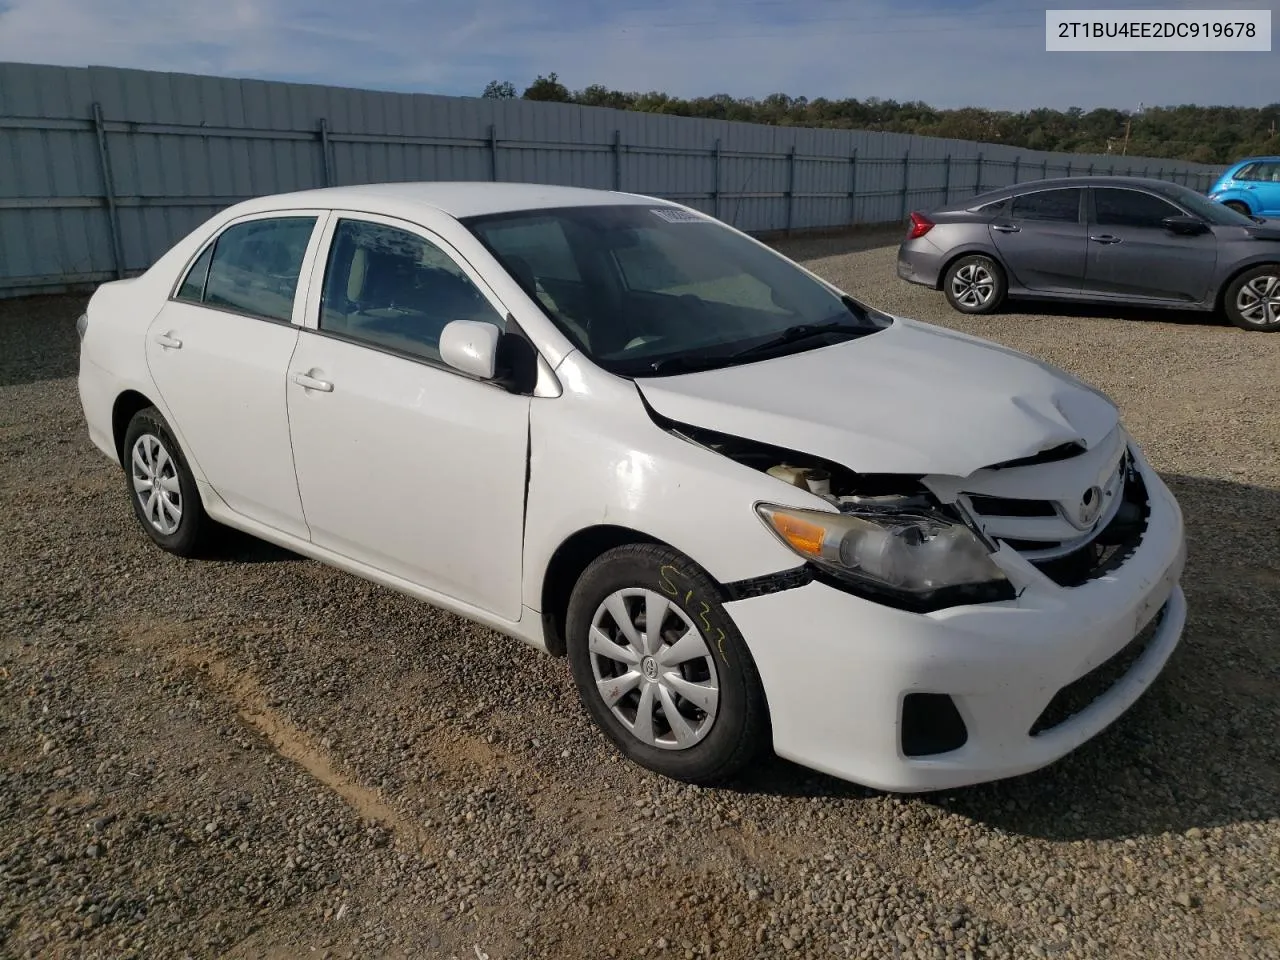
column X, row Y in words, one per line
column 1184, row 225
column 471, row 346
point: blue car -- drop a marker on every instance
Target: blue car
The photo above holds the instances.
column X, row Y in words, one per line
column 1250, row 186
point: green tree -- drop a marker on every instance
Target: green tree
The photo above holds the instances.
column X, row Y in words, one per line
column 548, row 88
column 499, row 90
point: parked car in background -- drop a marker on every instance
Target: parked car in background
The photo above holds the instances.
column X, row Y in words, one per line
column 751, row 510
column 1251, row 187
column 1123, row 240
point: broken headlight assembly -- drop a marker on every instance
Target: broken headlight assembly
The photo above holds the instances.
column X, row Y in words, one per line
column 902, row 551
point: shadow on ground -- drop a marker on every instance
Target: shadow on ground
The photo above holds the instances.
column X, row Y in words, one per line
column 1200, row 748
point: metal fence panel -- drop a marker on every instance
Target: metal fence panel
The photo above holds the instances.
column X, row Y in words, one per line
column 102, row 169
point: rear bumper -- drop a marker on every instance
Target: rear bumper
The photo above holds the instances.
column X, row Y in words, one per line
column 97, row 389
column 837, row 669
column 919, row 262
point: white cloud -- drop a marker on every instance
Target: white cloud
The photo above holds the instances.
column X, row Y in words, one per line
column 987, row 53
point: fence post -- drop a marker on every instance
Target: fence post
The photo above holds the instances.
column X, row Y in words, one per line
column 977, row 187
column 853, row 187
column 1160, row 174
column 946, row 182
column 109, row 190
column 1017, row 167
column 1091, row 169
column 715, row 193
column 791, row 185
column 324, row 152
column 1044, row 172
column 617, row 159
column 1068, row 168
column 906, row 180
column 493, row 151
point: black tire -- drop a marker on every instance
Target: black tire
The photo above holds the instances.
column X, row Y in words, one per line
column 739, row 728
column 1237, row 307
column 193, row 527
column 1238, row 207
column 980, row 276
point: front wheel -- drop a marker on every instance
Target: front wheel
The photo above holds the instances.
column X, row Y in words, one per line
column 662, row 669
column 1252, row 300
column 1237, row 206
column 975, row 284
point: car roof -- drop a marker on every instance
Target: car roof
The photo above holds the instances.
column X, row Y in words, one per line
column 458, row 199
column 1025, row 186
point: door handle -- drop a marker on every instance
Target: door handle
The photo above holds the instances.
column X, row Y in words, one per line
column 1005, row 227
column 1105, row 238
column 308, row 382
column 168, row 341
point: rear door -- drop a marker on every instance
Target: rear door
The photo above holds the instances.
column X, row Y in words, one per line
column 1041, row 237
column 1262, row 181
column 219, row 350
column 1132, row 254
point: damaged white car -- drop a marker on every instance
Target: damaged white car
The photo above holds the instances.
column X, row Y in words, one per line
column 751, row 510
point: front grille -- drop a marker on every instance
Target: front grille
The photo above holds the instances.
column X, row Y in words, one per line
column 1113, row 545
column 1009, row 507
column 1076, row 696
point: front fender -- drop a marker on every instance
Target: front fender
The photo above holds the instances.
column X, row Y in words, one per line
column 597, row 458
column 1240, row 196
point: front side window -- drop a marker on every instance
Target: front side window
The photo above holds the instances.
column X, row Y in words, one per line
column 394, row 289
column 1060, row 206
column 1202, row 206
column 637, row 287
column 1266, row 171
column 252, row 268
column 1130, row 208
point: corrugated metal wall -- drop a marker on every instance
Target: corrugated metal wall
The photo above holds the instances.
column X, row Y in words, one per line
column 102, row 169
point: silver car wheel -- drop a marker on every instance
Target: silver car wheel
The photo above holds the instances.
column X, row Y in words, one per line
column 973, row 285
column 155, row 483
column 1259, row 300
column 653, row 668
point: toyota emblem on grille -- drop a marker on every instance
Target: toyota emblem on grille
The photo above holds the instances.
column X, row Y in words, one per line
column 1089, row 507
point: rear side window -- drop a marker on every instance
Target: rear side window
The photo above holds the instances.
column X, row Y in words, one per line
column 1115, row 207
column 1060, row 206
column 252, row 268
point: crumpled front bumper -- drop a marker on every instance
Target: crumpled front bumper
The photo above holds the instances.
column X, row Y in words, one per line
column 837, row 668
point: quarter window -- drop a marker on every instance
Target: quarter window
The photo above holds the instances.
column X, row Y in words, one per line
column 1061, row 206
column 252, row 268
column 1130, row 208
column 394, row 289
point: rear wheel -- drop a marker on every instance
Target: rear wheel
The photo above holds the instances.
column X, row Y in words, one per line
column 161, row 486
column 974, row 284
column 661, row 667
column 1237, row 206
column 1252, row 300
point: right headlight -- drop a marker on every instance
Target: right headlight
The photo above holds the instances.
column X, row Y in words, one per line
column 920, row 556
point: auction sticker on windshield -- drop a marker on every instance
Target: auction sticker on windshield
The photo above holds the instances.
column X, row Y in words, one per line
column 1135, row 31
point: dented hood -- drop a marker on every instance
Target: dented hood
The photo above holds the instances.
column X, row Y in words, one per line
column 912, row 399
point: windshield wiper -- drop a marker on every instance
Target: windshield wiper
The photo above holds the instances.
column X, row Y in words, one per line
column 802, row 332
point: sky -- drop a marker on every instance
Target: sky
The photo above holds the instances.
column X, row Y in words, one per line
column 948, row 53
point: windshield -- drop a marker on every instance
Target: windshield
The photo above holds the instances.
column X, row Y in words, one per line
column 1203, row 207
column 646, row 289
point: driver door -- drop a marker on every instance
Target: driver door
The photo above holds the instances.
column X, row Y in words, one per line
column 403, row 463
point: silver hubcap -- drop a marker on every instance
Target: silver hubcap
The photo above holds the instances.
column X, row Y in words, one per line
column 155, row 482
column 653, row 668
column 973, row 285
column 1259, row 300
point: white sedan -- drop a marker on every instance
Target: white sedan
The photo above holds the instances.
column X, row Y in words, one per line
column 751, row 510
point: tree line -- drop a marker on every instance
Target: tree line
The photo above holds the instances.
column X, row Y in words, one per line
column 1214, row 134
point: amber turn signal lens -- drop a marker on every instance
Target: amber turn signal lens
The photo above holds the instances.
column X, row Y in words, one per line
column 805, row 537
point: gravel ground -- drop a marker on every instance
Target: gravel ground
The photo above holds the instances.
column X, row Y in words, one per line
column 255, row 756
